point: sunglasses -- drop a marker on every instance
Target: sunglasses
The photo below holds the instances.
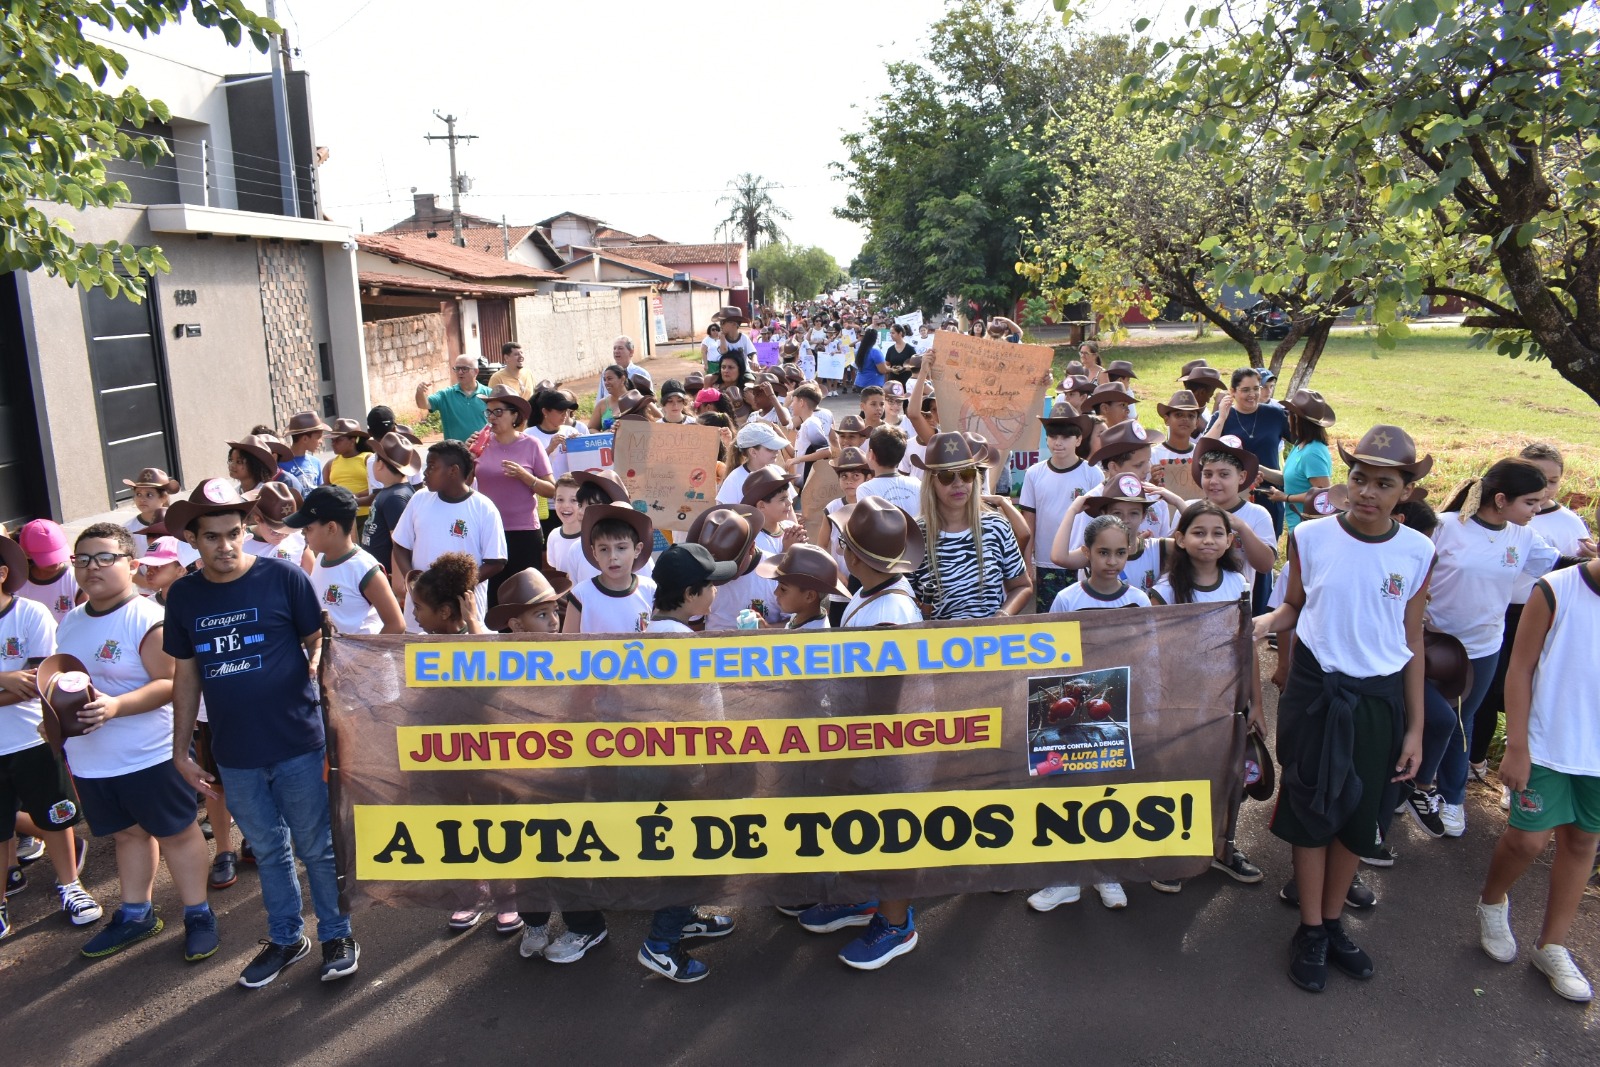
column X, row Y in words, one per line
column 966, row 474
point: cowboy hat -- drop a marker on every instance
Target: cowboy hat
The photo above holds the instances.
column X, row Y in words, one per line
column 633, row 405
column 64, row 689
column 1260, row 776
column 763, row 482
column 850, row 423
column 622, row 512
column 807, row 566
column 511, row 398
column 408, row 433
column 1076, row 383
column 158, row 528
column 1064, row 416
column 153, row 478
column 1446, row 664
column 727, row 530
column 16, row 563
column 983, row 453
column 349, row 428
column 214, row 496
column 523, row 590
column 1309, row 405
column 610, row 481
column 1182, row 400
column 731, row 314
column 1075, row 367
column 275, row 501
column 1203, row 377
column 1190, row 367
column 1329, row 501
column 263, row 447
column 1120, row 366
column 1127, row 489
column 1389, row 446
column 1232, row 446
column 305, row 422
column 396, row 450
column 1123, row 438
column 1109, row 393
column 884, row 535
column 851, row 459
column 947, row 451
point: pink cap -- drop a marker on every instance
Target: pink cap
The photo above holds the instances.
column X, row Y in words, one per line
column 708, row 396
column 162, row 550
column 45, row 542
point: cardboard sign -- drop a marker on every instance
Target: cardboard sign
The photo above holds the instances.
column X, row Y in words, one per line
column 1176, row 475
column 768, row 354
column 590, row 452
column 822, row 486
column 993, row 388
column 670, row 470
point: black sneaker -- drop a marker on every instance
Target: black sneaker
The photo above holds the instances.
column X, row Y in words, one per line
column 1308, row 959
column 1343, row 953
column 1238, row 867
column 16, row 881
column 1384, row 857
column 271, row 961
column 1424, row 806
column 1358, row 896
column 340, row 956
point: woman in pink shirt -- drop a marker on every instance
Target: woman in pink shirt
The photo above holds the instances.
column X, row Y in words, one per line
column 513, row 471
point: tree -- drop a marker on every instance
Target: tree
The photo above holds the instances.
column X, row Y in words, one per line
column 751, row 209
column 1472, row 123
column 788, row 272
column 947, row 162
column 61, row 127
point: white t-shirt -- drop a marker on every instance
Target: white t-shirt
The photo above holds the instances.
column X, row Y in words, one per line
column 109, row 646
column 745, row 591
column 813, row 433
column 1230, row 587
column 668, row 626
column 732, row 489
column 1048, row 493
column 27, row 632
column 430, row 527
column 58, row 597
column 292, row 549
column 1079, row 597
column 1564, row 716
column 1474, row 575
column 609, row 612
column 1357, row 588
column 897, row 489
column 1259, row 519
column 897, row 606
column 1564, row 529
column 565, row 554
column 713, row 350
column 339, row 591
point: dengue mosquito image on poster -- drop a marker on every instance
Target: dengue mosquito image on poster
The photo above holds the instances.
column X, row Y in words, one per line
column 1079, row 722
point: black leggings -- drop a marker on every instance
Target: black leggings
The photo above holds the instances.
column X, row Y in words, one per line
column 1494, row 702
column 524, row 550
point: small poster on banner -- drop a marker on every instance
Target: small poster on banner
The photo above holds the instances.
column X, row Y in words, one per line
column 767, row 354
column 1079, row 723
column 590, row 452
column 670, row 470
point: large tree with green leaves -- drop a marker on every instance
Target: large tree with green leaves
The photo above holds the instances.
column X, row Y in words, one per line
column 62, row 127
column 948, row 161
column 790, row 272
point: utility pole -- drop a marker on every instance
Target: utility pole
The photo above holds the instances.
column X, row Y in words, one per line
column 280, row 113
column 456, row 179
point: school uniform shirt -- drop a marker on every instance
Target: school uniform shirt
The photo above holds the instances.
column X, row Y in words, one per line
column 608, row 611
column 1230, row 586
column 770, row 544
column 58, row 595
column 377, row 536
column 897, row 489
column 1564, row 716
column 732, row 489
column 430, row 527
column 245, row 638
column 339, row 583
column 1357, row 587
column 959, row 591
column 564, row 552
column 1564, row 529
column 818, row 623
column 1259, row 519
column 1048, row 493
column 108, row 645
column 835, row 541
column 896, row 606
column 1473, row 576
column 913, row 448
column 1141, row 571
column 668, row 626
column 1080, row 597
column 27, row 634
column 746, row 591
column 292, row 549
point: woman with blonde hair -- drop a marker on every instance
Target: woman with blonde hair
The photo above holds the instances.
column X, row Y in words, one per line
column 974, row 567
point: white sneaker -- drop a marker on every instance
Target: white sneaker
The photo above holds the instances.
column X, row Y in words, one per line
column 1505, row 799
column 78, row 906
column 1454, row 817
column 570, row 947
column 1555, row 963
column 1052, row 897
column 1111, row 894
column 1479, row 771
column 1494, row 930
column 534, row 940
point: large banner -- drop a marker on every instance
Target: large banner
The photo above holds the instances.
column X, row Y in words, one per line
column 994, row 388
column 670, row 470
column 636, row 771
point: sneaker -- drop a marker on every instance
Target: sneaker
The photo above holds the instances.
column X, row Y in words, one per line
column 793, row 911
column 1384, row 857
column 120, row 934
column 224, row 871
column 77, row 905
column 1052, row 897
column 83, row 853
column 1505, row 799
column 826, row 918
column 1111, row 895
column 880, row 944
column 1308, row 959
column 205, row 828
column 1344, row 954
column 1238, row 867
column 5, row 920
column 1454, row 819
column 1480, row 771
column 671, row 962
column 1424, row 805
column 571, row 947
column 1494, row 930
column 200, row 940
column 1174, row 885
column 508, row 923
column 1358, row 896
column 707, row 926
column 341, row 958
column 16, row 881
column 464, row 920
column 534, row 940
column 29, row 849
column 1555, row 963
column 271, row 960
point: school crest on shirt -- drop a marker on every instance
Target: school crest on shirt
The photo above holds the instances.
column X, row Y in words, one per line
column 63, row 603
column 643, row 622
column 1511, row 559
column 110, row 652
column 281, row 553
column 333, row 596
column 1394, row 588
column 12, row 649
column 62, row 811
column 458, row 528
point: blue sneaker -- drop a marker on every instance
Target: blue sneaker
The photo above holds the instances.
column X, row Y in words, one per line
column 880, row 944
column 672, row 962
column 826, row 918
column 200, row 939
column 707, row 926
column 121, row 933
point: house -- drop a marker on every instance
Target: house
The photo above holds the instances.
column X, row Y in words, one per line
column 258, row 318
column 686, row 303
column 520, row 244
column 427, row 214
column 723, row 265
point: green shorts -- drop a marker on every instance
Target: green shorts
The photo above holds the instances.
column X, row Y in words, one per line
column 1555, row 798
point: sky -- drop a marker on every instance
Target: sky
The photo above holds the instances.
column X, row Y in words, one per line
column 633, row 111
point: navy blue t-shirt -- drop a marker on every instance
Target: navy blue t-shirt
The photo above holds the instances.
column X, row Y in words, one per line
column 1262, row 432
column 246, row 635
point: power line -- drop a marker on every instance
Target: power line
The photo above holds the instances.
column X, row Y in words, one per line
column 341, row 25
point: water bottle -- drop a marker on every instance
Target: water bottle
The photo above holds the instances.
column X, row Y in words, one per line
column 749, row 619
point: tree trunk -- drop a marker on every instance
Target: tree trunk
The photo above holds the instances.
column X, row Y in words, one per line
column 1298, row 328
column 1316, row 341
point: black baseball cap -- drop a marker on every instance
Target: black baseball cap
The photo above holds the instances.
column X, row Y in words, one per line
column 690, row 565
column 325, row 503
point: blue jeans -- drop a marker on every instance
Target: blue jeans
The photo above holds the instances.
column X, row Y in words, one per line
column 667, row 923
column 274, row 805
column 1444, row 733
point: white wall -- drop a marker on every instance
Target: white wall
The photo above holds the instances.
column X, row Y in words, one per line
column 567, row 336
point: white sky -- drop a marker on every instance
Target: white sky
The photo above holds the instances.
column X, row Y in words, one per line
column 615, row 108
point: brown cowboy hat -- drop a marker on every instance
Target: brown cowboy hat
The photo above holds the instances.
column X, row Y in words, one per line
column 1389, row 446
column 983, row 453
column 1309, row 405
column 275, row 501
column 851, row 459
column 305, row 422
column 765, row 481
column 512, row 399
column 693, row 383
column 1182, row 400
column 153, row 478
column 158, row 528
column 64, row 689
column 1190, row 367
column 1064, row 416
column 619, row 510
column 808, row 567
column 523, row 590
column 1075, row 367
column 1123, row 438
column 1127, row 489
column 399, row 453
column 731, row 314
column 947, row 451
column 1109, row 392
column 1260, row 775
column 1120, row 366
column 1446, row 664
column 16, row 563
column 632, row 405
column 1232, row 446
column 1077, row 383
column 407, row 432
column 269, row 450
column 211, row 497
column 349, row 428
column 850, row 424
column 727, row 531
column 1203, row 377
column 610, row 481
column 882, row 534
column 1329, row 501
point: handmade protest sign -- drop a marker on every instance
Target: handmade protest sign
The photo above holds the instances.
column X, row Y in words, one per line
column 633, row 771
column 589, row 452
column 670, row 470
column 822, row 487
column 1177, row 475
column 993, row 388
column 768, row 354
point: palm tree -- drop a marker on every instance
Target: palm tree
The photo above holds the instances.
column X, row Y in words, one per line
column 751, row 210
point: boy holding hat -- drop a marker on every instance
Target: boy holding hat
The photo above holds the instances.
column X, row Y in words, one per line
column 1048, row 489
column 351, row 586
column 49, row 580
column 305, row 438
column 152, row 489
column 616, row 542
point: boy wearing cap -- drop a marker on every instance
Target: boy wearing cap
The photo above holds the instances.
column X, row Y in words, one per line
column 768, row 491
column 886, row 448
column 449, row 516
column 1048, row 489
column 350, row 585
column 50, row 581
column 617, row 600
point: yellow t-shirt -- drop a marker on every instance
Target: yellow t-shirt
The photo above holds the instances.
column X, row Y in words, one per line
column 520, row 382
column 350, row 472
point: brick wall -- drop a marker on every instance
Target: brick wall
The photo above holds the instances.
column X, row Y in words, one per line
column 567, row 336
column 400, row 353
column 292, row 366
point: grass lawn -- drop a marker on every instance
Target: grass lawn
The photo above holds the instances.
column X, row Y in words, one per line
column 1466, row 406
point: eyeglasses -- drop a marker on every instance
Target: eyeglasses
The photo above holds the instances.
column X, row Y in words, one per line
column 491, row 412
column 99, row 559
column 966, row 474
column 466, row 370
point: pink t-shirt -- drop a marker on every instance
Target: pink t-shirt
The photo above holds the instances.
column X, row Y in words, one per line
column 517, row 505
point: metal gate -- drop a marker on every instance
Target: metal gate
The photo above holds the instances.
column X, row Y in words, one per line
column 22, row 494
column 128, row 370
column 494, row 327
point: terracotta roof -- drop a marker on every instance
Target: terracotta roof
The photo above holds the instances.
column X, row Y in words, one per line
column 411, row 283
column 655, row 270
column 611, row 233
column 487, row 239
column 447, row 258
column 678, row 254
